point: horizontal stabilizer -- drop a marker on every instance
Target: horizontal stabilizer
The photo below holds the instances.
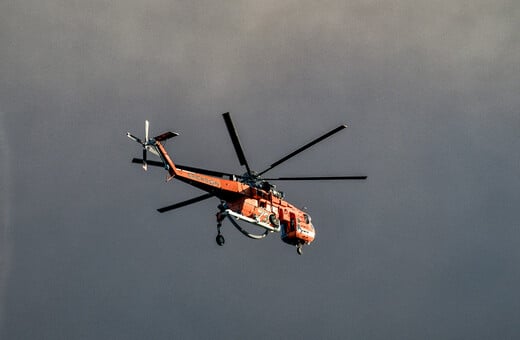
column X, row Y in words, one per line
column 165, row 136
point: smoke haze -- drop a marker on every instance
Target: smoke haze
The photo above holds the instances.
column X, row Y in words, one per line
column 427, row 247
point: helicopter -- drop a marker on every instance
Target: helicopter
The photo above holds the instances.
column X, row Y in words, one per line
column 249, row 197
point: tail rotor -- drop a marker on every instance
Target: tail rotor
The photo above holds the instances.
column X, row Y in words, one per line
column 149, row 144
column 144, row 144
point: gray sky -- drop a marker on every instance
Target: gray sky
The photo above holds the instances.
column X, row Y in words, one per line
column 426, row 248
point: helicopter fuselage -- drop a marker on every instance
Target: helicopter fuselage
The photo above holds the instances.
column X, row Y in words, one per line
column 247, row 202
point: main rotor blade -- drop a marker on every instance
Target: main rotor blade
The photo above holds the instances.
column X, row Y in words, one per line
column 185, row 203
column 236, row 142
column 187, row 168
column 316, row 178
column 305, row 147
column 205, row 171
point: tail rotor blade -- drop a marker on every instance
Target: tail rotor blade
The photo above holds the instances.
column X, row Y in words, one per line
column 146, row 129
column 134, row 138
column 145, row 165
column 148, row 162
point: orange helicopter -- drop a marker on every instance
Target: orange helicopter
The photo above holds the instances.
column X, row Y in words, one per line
column 248, row 197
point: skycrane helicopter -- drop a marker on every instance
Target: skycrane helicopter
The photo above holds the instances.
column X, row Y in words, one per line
column 248, row 197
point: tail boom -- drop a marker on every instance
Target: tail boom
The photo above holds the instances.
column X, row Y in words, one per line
column 204, row 182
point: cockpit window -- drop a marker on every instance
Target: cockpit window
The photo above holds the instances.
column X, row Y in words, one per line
column 306, row 217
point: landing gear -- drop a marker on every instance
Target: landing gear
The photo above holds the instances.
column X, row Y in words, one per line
column 274, row 220
column 220, row 240
column 299, row 248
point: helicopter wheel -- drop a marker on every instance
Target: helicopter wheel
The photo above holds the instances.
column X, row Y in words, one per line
column 299, row 249
column 220, row 240
column 275, row 221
